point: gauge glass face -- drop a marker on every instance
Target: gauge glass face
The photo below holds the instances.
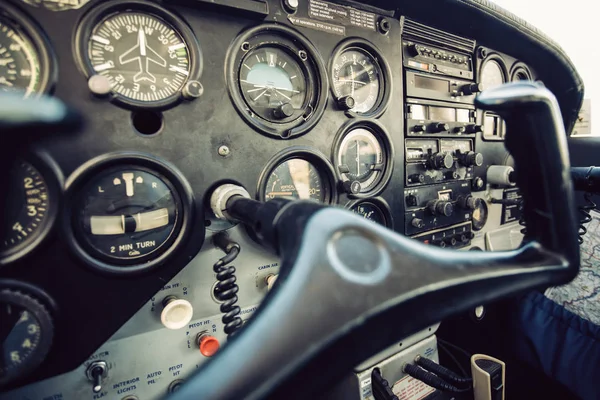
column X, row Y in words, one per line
column 144, row 58
column 370, row 211
column 20, row 335
column 20, row 68
column 480, row 216
column 356, row 73
column 273, row 84
column 26, row 211
column 127, row 214
column 360, row 158
column 295, row 178
column 492, row 75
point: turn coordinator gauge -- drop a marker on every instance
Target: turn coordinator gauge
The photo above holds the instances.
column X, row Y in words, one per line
column 129, row 216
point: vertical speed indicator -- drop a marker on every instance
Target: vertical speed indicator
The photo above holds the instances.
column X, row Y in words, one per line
column 146, row 53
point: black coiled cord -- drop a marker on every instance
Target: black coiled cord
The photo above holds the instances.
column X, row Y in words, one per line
column 226, row 288
column 442, row 372
column 586, row 217
column 432, row 380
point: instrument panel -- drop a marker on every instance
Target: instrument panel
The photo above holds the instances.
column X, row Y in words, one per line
column 180, row 97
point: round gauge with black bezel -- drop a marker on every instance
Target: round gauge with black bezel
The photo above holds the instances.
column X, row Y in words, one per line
column 26, row 63
column 276, row 80
column 35, row 185
column 493, row 72
column 298, row 173
column 145, row 52
column 361, row 79
column 520, row 72
column 127, row 214
column 363, row 158
column 375, row 209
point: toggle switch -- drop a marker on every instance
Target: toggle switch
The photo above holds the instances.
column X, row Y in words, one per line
column 96, row 373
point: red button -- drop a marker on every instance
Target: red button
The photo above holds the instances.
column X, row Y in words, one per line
column 209, row 345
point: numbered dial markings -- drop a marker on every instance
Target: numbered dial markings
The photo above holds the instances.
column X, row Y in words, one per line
column 370, row 211
column 356, row 73
column 19, row 339
column 360, row 158
column 295, row 178
column 128, row 214
column 142, row 56
column 273, row 83
column 20, row 67
column 27, row 206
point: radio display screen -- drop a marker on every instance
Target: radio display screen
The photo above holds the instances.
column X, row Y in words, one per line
column 438, row 85
column 442, row 114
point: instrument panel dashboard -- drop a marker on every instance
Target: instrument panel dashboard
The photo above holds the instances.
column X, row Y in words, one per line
column 304, row 100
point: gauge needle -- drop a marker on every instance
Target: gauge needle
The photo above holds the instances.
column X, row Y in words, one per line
column 276, row 88
column 357, row 158
column 352, row 72
column 273, row 194
column 260, row 95
column 142, row 40
column 128, row 178
column 283, row 95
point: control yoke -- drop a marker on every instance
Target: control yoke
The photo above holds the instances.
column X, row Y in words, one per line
column 349, row 288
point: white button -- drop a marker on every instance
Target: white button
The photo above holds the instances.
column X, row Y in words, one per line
column 271, row 279
column 176, row 314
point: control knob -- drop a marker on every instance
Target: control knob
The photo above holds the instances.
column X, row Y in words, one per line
column 417, row 223
column 473, row 128
column 459, row 129
column 440, row 207
column 451, row 241
column 471, row 88
column 469, row 202
column 419, row 128
column 438, row 127
column 416, row 178
column 441, row 160
column 471, row 159
column 176, row 313
column 346, row 102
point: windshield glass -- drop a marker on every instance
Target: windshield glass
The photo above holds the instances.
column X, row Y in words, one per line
column 574, row 26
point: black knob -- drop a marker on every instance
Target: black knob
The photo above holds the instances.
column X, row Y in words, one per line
column 290, row 5
column 477, row 184
column 439, row 243
column 412, row 201
column 473, row 128
column 438, row 127
column 466, row 237
column 441, row 160
column 469, row 202
column 451, row 175
column 346, row 102
column 285, row 110
column 471, row 159
column 440, row 207
column 351, row 187
column 417, row 223
column 416, row 178
column 451, row 241
column 471, row 88
column 459, row 129
column 512, row 177
column 419, row 128
column 413, row 49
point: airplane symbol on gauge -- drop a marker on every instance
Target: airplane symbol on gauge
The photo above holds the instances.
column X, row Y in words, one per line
column 146, row 56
